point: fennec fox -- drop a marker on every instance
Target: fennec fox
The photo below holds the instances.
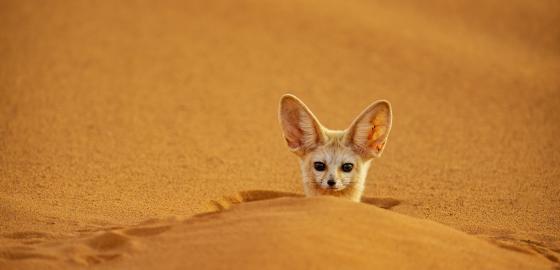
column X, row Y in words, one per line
column 334, row 162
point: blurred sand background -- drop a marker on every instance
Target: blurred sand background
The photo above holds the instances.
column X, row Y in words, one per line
column 112, row 113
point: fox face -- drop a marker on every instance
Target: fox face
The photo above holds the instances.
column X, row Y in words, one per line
column 334, row 162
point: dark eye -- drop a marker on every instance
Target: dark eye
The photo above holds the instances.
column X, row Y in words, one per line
column 347, row 167
column 319, row 166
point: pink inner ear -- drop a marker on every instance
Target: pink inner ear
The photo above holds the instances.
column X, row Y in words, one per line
column 292, row 132
column 371, row 131
column 293, row 145
column 292, row 137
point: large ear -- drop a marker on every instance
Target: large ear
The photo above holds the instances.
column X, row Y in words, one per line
column 301, row 129
column 368, row 133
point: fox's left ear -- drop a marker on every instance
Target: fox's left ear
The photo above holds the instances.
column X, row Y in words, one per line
column 368, row 133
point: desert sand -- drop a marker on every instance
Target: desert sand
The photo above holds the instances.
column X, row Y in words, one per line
column 141, row 135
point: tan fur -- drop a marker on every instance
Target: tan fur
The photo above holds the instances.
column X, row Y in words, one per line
column 364, row 140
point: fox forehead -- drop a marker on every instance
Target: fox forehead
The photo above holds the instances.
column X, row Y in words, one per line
column 333, row 150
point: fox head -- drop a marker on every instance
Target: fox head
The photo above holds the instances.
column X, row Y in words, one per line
column 334, row 162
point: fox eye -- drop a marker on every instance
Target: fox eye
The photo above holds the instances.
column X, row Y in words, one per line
column 319, row 166
column 347, row 167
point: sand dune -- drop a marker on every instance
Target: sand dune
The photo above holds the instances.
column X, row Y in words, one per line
column 310, row 233
column 114, row 113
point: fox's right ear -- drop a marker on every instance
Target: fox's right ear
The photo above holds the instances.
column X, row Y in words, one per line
column 301, row 129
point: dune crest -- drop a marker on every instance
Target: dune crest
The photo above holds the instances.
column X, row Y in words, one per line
column 227, row 201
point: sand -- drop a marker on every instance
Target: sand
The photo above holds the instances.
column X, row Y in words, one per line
column 311, row 233
column 112, row 114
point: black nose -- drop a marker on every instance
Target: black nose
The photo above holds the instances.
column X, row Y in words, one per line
column 331, row 182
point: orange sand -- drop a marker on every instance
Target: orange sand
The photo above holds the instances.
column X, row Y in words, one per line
column 313, row 233
column 115, row 113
